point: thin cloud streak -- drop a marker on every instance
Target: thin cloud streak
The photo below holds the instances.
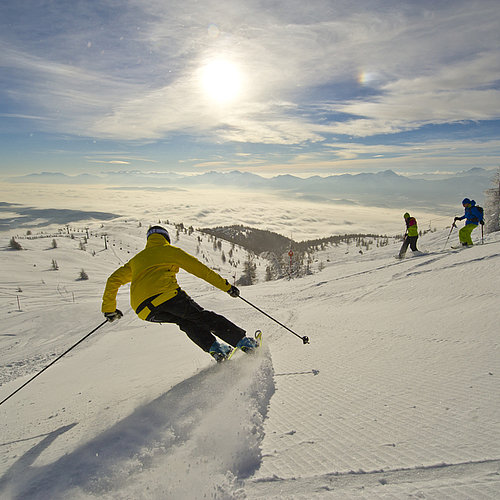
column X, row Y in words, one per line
column 354, row 157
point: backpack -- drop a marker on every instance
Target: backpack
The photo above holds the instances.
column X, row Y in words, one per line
column 481, row 211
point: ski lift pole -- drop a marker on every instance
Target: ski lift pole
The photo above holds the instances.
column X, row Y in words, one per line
column 449, row 234
column 304, row 339
column 55, row 360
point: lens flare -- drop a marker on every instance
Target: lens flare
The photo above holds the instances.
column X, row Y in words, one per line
column 366, row 77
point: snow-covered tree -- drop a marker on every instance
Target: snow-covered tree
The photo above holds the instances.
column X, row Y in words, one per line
column 15, row 245
column 269, row 273
column 249, row 272
column 492, row 205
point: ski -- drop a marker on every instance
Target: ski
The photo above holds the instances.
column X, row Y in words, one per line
column 258, row 336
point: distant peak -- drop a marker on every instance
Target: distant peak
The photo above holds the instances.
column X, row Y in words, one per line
column 388, row 173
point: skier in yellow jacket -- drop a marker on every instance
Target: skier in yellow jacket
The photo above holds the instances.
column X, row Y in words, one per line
column 155, row 295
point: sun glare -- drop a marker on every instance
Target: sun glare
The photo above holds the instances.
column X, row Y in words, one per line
column 221, row 80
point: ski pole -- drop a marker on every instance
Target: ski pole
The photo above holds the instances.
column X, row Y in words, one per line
column 449, row 234
column 482, row 234
column 305, row 339
column 55, row 360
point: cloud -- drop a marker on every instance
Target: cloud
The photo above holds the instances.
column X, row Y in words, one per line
column 22, row 117
column 112, row 162
column 410, row 156
column 67, row 97
column 456, row 93
column 291, row 216
column 310, row 71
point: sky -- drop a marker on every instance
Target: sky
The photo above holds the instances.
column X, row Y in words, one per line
column 317, row 87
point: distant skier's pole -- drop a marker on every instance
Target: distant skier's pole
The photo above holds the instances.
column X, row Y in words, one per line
column 55, row 360
column 305, row 339
column 482, row 234
column 449, row 234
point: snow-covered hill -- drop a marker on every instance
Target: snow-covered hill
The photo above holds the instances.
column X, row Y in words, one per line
column 396, row 396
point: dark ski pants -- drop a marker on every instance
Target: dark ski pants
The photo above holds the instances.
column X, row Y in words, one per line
column 199, row 324
column 410, row 241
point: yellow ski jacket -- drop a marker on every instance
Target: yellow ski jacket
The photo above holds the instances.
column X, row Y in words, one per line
column 153, row 271
column 411, row 226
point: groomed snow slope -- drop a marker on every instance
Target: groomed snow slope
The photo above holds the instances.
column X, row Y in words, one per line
column 397, row 396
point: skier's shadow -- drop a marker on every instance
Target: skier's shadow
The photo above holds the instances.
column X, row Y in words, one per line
column 21, row 465
column 166, row 421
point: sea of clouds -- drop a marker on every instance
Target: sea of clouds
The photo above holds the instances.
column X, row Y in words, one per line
column 290, row 216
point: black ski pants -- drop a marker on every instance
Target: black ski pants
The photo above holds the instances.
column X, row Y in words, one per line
column 408, row 241
column 199, row 324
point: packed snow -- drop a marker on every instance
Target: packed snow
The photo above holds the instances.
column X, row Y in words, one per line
column 396, row 396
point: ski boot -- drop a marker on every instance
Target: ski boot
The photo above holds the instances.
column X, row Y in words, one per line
column 220, row 352
column 247, row 344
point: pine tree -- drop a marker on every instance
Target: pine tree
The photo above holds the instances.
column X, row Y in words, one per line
column 269, row 273
column 249, row 272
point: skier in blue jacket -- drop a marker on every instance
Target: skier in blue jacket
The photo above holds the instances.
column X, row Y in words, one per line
column 473, row 216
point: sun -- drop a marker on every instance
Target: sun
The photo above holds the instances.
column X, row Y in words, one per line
column 221, row 80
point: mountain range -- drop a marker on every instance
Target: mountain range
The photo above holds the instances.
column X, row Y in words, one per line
column 386, row 188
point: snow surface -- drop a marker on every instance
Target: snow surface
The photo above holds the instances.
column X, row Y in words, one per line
column 397, row 395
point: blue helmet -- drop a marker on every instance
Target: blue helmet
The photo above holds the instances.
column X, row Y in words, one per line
column 465, row 201
column 158, row 230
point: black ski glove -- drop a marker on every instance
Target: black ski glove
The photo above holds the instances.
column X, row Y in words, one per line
column 114, row 315
column 481, row 222
column 233, row 291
